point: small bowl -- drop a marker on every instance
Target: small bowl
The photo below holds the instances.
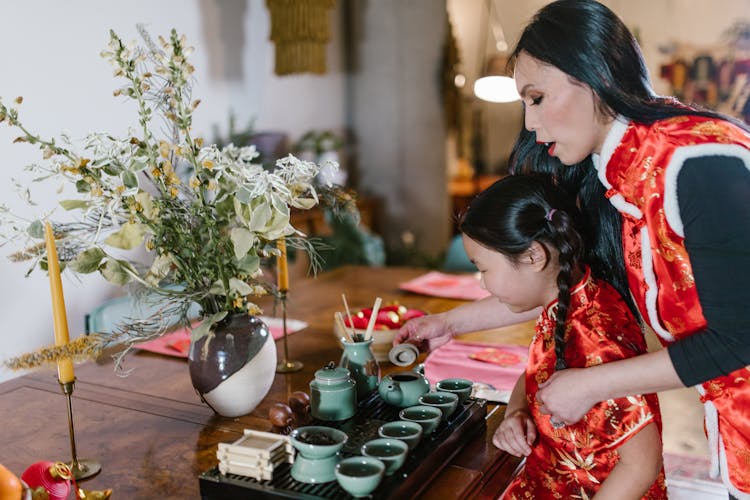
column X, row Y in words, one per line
column 404, row 430
column 459, row 386
column 318, row 441
column 359, row 476
column 391, row 452
column 447, row 402
column 428, row 417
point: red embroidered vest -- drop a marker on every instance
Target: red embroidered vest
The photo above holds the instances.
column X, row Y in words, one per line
column 641, row 175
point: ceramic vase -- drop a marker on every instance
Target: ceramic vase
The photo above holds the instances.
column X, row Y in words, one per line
column 362, row 365
column 232, row 368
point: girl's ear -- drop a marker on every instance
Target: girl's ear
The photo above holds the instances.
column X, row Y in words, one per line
column 536, row 256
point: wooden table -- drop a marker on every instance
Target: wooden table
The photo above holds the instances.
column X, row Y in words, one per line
column 153, row 436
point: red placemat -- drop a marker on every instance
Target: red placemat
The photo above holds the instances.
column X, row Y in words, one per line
column 177, row 343
column 452, row 286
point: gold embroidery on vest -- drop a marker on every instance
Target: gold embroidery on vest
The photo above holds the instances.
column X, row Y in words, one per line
column 709, row 128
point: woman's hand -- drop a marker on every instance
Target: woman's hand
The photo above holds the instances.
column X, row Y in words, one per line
column 426, row 332
column 567, row 395
column 516, row 433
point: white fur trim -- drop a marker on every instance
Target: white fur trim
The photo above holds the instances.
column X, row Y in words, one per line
column 652, row 291
column 618, row 201
column 680, row 155
column 712, row 433
column 614, row 137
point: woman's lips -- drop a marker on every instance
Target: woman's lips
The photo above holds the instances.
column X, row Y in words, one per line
column 551, row 148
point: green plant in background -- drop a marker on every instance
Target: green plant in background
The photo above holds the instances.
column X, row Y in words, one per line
column 206, row 233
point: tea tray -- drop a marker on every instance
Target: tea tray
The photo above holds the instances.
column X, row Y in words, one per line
column 422, row 464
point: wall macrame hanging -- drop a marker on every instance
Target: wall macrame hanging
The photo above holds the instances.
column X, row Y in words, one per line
column 299, row 28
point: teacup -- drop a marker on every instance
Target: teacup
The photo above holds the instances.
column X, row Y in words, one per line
column 428, row 417
column 459, row 386
column 447, row 402
column 391, row 452
column 359, row 476
column 408, row 432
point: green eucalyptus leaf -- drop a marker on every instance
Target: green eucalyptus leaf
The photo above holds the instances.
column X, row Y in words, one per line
column 146, row 202
column 128, row 237
column 242, row 240
column 112, row 169
column 129, row 179
column 259, row 217
column 82, row 186
column 217, row 288
column 204, row 328
column 88, row 261
column 244, row 195
column 240, row 287
column 115, row 271
column 74, row 204
column 159, row 269
column 36, row 229
column 249, row 264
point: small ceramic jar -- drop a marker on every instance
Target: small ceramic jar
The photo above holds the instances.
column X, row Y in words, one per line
column 333, row 394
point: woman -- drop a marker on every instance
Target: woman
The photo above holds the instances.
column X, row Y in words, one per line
column 665, row 189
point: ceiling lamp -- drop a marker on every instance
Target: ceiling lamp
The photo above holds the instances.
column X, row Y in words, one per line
column 495, row 83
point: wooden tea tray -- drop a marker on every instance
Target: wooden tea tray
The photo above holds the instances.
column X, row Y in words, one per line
column 422, row 464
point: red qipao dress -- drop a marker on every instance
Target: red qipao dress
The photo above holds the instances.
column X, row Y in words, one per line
column 639, row 165
column 572, row 462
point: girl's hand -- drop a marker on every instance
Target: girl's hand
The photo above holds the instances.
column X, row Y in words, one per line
column 567, row 395
column 426, row 332
column 516, row 433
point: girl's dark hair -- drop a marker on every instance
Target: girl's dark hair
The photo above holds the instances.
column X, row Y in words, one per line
column 518, row 210
column 588, row 42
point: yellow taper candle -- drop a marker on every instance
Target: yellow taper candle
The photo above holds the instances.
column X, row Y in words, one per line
column 282, row 267
column 60, row 318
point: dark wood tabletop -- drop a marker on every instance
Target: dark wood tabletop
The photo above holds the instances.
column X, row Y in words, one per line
column 153, row 436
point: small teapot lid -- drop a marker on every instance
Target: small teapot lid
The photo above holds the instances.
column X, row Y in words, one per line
column 332, row 373
column 403, row 354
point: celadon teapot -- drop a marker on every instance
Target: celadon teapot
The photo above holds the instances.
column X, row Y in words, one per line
column 403, row 389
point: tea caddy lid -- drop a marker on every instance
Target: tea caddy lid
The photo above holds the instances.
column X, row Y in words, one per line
column 332, row 374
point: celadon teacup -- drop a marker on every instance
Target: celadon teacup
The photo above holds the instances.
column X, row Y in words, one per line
column 359, row 476
column 408, row 432
column 447, row 402
column 459, row 386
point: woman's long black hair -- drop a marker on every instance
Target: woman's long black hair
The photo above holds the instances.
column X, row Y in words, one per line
column 588, row 42
column 518, row 210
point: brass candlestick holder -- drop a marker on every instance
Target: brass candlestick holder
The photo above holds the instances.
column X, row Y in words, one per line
column 286, row 366
column 81, row 469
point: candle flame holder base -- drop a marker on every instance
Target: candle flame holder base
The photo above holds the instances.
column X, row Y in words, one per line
column 81, row 469
column 287, row 365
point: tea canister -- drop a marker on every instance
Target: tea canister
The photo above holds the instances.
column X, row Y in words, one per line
column 333, row 394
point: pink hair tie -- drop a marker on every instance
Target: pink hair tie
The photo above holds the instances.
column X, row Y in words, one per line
column 550, row 213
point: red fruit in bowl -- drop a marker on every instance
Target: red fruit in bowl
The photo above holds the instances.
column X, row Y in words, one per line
column 411, row 313
column 360, row 322
column 389, row 319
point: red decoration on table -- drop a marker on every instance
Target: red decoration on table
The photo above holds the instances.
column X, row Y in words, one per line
column 389, row 317
column 54, row 477
column 500, row 357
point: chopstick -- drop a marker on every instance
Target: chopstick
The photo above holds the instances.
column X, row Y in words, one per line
column 371, row 324
column 348, row 315
column 340, row 321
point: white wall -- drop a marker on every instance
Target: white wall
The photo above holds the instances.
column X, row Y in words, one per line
column 50, row 56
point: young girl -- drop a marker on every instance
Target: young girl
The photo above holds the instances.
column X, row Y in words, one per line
column 522, row 235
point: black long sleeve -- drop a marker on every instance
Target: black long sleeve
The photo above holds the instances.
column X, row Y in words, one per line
column 714, row 201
